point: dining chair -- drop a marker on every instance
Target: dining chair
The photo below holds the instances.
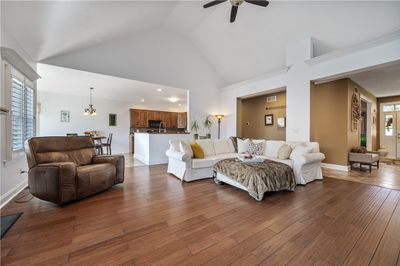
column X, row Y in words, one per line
column 108, row 144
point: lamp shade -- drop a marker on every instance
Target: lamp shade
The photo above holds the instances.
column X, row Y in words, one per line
column 219, row 117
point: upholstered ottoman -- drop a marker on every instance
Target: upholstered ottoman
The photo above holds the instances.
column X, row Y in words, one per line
column 364, row 159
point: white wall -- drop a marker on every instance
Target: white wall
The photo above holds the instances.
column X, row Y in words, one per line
column 301, row 71
column 11, row 179
column 156, row 56
column 52, row 103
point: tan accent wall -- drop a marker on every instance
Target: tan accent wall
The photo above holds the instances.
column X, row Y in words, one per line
column 252, row 111
column 328, row 119
column 330, row 123
column 391, row 99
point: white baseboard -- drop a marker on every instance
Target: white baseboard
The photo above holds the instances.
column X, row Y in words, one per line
column 9, row 195
column 337, row 167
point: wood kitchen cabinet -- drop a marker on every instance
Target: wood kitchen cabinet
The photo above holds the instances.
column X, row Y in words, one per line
column 140, row 118
column 135, row 118
column 181, row 120
column 143, row 119
column 174, row 120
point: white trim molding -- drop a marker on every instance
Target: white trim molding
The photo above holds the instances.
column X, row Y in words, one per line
column 337, row 167
column 9, row 195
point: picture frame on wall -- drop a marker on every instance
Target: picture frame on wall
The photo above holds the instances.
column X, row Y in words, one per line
column 281, row 122
column 112, row 120
column 269, row 120
column 65, row 116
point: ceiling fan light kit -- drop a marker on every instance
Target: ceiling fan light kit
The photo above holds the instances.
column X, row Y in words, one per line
column 235, row 5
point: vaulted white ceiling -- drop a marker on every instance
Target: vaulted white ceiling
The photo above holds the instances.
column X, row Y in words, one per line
column 253, row 45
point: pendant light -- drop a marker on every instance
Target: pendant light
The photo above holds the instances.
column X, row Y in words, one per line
column 90, row 110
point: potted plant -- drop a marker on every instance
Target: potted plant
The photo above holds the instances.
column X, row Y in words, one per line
column 195, row 129
column 207, row 124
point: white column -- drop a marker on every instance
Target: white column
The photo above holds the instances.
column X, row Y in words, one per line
column 298, row 90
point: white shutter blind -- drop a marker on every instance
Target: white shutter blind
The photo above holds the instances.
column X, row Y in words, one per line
column 17, row 112
column 29, row 113
column 22, row 113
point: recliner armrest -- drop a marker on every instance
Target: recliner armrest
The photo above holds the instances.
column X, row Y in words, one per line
column 117, row 160
column 180, row 156
column 55, row 182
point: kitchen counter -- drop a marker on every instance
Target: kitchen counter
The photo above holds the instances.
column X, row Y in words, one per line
column 150, row 148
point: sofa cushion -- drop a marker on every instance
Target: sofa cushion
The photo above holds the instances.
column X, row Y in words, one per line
column 284, row 152
column 198, row 152
column 218, row 157
column 272, row 147
column 242, row 145
column 222, row 146
column 293, row 144
column 95, row 178
column 300, row 150
column 202, row 163
column 256, row 148
column 287, row 161
column 186, row 148
column 207, row 145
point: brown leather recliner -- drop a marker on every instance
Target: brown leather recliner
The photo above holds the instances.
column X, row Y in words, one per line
column 64, row 169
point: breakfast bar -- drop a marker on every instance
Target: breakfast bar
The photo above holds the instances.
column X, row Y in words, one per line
column 150, row 147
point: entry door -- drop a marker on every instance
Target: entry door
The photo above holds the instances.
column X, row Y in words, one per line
column 388, row 136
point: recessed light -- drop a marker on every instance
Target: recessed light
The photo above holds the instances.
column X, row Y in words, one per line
column 179, row 104
column 173, row 99
column 142, row 100
column 159, row 90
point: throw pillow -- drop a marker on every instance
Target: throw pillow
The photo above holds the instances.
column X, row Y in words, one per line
column 360, row 149
column 299, row 151
column 242, row 145
column 186, row 148
column 197, row 151
column 255, row 148
column 235, row 142
column 284, row 152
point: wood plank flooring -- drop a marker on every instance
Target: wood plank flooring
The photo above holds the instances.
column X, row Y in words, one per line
column 154, row 219
column 388, row 176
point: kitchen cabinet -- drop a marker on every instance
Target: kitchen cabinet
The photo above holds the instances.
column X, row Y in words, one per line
column 181, row 120
column 140, row 118
column 143, row 118
column 135, row 118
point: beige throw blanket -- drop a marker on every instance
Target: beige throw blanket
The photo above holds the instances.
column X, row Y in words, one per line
column 258, row 178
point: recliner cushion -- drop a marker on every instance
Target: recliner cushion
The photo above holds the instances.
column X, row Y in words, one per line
column 94, row 178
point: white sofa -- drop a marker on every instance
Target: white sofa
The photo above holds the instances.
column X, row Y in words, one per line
column 306, row 167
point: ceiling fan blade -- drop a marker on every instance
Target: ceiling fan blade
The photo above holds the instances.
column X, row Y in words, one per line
column 213, row 3
column 263, row 3
column 233, row 13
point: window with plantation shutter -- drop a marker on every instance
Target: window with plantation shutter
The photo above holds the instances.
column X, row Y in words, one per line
column 17, row 111
column 22, row 113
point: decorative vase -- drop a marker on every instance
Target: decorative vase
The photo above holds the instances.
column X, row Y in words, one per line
column 196, row 136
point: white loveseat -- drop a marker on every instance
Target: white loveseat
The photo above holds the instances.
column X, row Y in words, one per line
column 306, row 167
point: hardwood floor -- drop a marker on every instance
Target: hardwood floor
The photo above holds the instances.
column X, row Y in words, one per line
column 153, row 218
column 388, row 176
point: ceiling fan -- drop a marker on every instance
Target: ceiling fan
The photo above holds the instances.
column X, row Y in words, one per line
column 236, row 4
